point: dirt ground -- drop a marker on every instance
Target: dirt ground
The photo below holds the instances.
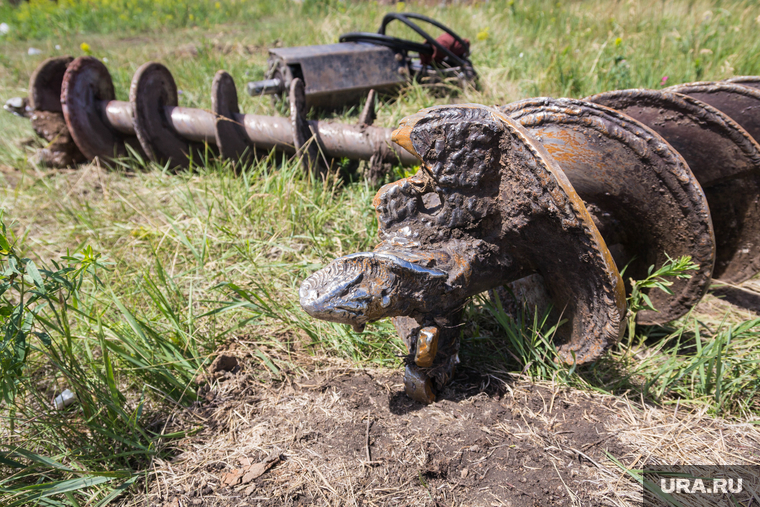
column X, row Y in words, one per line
column 333, row 435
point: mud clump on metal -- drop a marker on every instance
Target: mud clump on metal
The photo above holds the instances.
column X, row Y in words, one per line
column 488, row 206
column 61, row 150
column 46, row 115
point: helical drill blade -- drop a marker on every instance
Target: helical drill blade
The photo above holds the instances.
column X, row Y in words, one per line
column 724, row 158
column 151, row 92
column 639, row 190
column 751, row 81
column 87, row 87
column 741, row 103
column 45, row 84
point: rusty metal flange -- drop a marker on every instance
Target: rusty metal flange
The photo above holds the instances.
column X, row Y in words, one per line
column 741, row 103
column 724, row 158
column 488, row 206
column 87, row 85
column 153, row 88
column 753, row 81
column 304, row 139
column 231, row 139
column 644, row 199
column 46, row 82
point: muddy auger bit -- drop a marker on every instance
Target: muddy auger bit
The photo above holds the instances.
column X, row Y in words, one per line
column 488, row 206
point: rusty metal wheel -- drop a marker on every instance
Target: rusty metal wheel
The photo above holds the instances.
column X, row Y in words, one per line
column 725, row 160
column 87, row 87
column 46, row 82
column 644, row 199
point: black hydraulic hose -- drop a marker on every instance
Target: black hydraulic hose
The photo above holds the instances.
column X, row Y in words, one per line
column 380, row 38
column 404, row 18
column 388, row 41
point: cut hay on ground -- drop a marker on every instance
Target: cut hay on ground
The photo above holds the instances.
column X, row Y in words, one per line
column 333, row 435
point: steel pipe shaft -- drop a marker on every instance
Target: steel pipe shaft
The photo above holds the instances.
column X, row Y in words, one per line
column 193, row 124
column 265, row 132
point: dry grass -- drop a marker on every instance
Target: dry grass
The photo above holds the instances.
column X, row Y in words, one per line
column 324, row 408
column 348, row 436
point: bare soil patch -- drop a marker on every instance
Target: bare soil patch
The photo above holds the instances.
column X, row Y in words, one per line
column 334, row 435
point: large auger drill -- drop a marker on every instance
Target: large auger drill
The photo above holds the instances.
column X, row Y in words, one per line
column 551, row 197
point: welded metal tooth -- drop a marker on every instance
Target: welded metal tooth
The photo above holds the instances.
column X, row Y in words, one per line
column 640, row 191
column 427, row 346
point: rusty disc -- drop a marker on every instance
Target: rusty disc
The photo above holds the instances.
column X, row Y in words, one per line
column 642, row 195
column 753, row 81
column 305, row 141
column 45, row 84
column 741, row 103
column 231, row 139
column 724, row 158
column 86, row 86
column 152, row 90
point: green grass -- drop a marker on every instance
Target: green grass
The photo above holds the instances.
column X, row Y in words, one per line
column 697, row 364
column 192, row 259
